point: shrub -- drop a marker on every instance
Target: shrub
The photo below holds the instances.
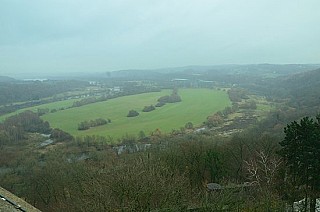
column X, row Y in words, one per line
column 132, row 113
column 148, row 108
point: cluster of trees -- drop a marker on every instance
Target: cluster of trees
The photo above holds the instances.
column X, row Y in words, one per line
column 214, row 121
column 160, row 104
column 42, row 111
column 60, row 135
column 174, row 97
column 148, row 108
column 19, row 91
column 92, row 99
column 16, row 127
column 170, row 99
column 237, row 94
column 248, row 104
column 85, row 125
column 188, row 125
column 217, row 119
column 133, row 113
column 301, row 152
column 84, row 101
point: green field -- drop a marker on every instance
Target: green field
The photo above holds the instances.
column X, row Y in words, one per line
column 196, row 105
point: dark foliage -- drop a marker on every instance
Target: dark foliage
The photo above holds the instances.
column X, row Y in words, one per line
column 85, row 125
column 170, row 99
column 237, row 94
column 132, row 113
column 27, row 121
column 301, row 151
column 60, row 135
column 85, row 101
column 18, row 91
column 174, row 97
column 148, row 108
column 160, row 104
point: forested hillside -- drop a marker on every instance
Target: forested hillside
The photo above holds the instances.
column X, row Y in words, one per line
column 21, row 91
column 6, row 79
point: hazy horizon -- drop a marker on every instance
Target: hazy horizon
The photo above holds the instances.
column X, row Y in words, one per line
column 55, row 36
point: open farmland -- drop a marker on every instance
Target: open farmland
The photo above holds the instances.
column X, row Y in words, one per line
column 196, row 105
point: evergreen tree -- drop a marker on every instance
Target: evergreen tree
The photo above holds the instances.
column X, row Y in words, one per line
column 301, row 153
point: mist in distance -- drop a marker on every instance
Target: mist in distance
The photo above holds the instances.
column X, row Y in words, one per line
column 56, row 36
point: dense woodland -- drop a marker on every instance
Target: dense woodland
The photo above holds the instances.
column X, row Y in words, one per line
column 257, row 169
column 21, row 91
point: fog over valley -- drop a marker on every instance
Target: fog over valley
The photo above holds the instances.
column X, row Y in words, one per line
column 121, row 105
column 56, row 36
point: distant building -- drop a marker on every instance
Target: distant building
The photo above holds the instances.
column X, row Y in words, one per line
column 181, row 82
column 116, row 89
column 37, row 79
column 205, row 83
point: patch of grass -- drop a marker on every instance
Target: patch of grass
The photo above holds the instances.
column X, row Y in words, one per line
column 196, row 105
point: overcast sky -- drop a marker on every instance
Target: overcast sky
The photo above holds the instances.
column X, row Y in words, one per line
column 42, row 36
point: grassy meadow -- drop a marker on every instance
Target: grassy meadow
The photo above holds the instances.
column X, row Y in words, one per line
column 196, row 105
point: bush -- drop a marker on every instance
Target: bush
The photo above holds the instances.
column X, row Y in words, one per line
column 160, row 104
column 132, row 113
column 92, row 123
column 174, row 97
column 189, row 125
column 170, row 99
column 60, row 135
column 148, row 108
column 214, row 121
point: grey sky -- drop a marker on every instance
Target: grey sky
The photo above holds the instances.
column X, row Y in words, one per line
column 103, row 35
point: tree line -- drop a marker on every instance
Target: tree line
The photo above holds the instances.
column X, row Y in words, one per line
column 85, row 125
column 21, row 91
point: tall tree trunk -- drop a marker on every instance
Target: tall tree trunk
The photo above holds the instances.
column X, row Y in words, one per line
column 313, row 202
column 306, row 202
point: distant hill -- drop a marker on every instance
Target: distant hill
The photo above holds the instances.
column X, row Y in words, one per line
column 302, row 89
column 257, row 69
column 134, row 74
column 7, row 79
column 302, row 80
column 267, row 70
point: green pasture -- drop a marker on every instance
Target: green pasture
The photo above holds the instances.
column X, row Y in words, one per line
column 196, row 105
